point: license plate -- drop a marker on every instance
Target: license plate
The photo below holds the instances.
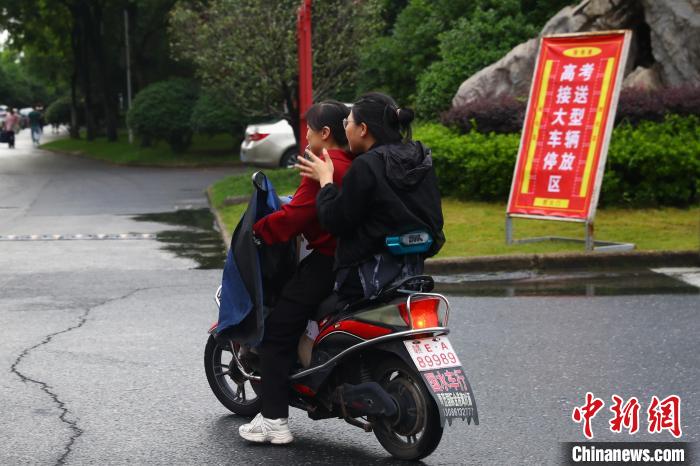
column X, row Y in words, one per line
column 432, row 353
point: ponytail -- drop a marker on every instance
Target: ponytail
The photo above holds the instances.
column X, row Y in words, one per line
column 388, row 123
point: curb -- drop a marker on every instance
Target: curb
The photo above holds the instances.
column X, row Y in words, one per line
column 221, row 226
column 552, row 261
column 563, row 261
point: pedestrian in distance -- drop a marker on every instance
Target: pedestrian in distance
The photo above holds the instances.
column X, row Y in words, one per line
column 36, row 123
column 10, row 127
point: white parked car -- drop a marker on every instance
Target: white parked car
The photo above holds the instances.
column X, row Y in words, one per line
column 269, row 144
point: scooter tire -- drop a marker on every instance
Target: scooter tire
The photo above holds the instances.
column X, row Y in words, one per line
column 220, row 384
column 388, row 431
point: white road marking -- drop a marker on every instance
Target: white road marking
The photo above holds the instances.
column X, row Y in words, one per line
column 690, row 275
column 78, row 236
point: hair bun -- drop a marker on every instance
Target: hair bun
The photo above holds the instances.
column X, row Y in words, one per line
column 405, row 116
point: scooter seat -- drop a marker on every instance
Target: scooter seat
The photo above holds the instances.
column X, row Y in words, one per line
column 416, row 283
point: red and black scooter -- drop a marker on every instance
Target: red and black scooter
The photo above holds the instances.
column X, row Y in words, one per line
column 384, row 365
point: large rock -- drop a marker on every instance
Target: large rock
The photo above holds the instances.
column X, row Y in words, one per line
column 644, row 78
column 675, row 39
column 665, row 48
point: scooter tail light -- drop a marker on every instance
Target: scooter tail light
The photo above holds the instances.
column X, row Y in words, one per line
column 257, row 136
column 424, row 313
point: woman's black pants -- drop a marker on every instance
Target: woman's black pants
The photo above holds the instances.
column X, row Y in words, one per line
column 300, row 297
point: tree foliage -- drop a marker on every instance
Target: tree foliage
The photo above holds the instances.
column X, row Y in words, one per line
column 35, row 58
column 473, row 44
column 80, row 44
column 214, row 114
column 19, row 87
column 247, row 49
column 432, row 46
column 394, row 62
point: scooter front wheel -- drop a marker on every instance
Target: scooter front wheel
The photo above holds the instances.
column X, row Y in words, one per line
column 230, row 387
column 415, row 431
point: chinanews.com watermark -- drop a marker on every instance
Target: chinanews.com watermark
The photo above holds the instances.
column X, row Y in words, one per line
column 610, row 453
column 629, row 416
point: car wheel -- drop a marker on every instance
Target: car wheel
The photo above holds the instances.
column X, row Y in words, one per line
column 289, row 158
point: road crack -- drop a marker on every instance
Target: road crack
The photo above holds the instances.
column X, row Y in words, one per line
column 66, row 416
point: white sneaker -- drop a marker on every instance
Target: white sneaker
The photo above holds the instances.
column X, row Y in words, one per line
column 263, row 430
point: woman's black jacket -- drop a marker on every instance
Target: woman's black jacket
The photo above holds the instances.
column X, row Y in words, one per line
column 389, row 190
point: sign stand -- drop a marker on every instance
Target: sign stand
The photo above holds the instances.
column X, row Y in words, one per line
column 589, row 241
column 569, row 120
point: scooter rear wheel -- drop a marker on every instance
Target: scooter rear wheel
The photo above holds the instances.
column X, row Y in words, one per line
column 228, row 384
column 415, row 431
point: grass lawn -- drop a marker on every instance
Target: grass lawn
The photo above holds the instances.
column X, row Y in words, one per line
column 285, row 181
column 217, row 150
column 478, row 228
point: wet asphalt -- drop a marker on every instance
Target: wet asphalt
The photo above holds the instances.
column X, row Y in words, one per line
column 102, row 340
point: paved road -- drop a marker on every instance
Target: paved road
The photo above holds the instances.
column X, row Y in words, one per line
column 102, row 343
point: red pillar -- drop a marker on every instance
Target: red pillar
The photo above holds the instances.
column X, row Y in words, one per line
column 305, row 68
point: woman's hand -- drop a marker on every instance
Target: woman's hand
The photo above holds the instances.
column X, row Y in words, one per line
column 315, row 168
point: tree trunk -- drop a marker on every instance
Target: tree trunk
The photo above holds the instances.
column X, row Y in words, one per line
column 292, row 103
column 137, row 48
column 82, row 67
column 94, row 26
column 74, row 123
column 90, row 127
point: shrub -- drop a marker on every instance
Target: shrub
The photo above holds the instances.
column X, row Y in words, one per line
column 505, row 114
column 162, row 111
column 471, row 166
column 502, row 114
column 637, row 105
column 214, row 114
column 59, row 112
column 652, row 164
column 684, row 100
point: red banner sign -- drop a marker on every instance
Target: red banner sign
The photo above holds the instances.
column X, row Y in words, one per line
column 567, row 126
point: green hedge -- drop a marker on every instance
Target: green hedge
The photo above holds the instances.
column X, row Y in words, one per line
column 470, row 166
column 652, row 164
column 58, row 113
column 162, row 111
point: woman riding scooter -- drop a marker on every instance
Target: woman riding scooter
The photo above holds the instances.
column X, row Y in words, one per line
column 312, row 282
column 390, row 189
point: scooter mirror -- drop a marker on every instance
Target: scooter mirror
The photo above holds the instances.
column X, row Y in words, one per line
column 259, row 181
